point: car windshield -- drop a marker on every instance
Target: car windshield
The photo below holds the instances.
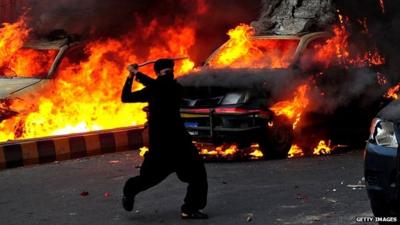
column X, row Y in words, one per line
column 259, row 52
column 27, row 62
column 232, row 99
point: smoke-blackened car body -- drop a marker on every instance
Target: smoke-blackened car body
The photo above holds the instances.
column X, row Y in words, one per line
column 15, row 85
column 229, row 99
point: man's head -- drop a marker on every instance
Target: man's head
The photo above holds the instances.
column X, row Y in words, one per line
column 164, row 67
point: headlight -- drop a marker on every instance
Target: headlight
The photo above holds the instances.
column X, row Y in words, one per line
column 383, row 133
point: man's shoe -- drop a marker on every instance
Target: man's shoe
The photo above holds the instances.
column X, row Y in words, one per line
column 127, row 203
column 193, row 215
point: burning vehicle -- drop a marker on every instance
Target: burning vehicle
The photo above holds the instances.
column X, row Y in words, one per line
column 17, row 79
column 242, row 94
column 382, row 162
column 232, row 105
column 256, row 88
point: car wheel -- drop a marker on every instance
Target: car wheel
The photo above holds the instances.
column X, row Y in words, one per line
column 379, row 206
column 277, row 139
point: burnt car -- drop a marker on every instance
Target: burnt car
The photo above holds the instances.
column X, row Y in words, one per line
column 238, row 117
column 382, row 158
column 13, row 85
column 232, row 105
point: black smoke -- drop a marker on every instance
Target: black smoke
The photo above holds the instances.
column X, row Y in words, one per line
column 276, row 85
column 99, row 19
column 383, row 27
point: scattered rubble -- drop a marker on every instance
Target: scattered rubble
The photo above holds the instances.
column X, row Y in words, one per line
column 84, row 193
column 249, row 217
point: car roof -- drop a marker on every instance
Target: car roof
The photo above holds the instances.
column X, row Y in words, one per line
column 304, row 39
column 291, row 36
column 44, row 44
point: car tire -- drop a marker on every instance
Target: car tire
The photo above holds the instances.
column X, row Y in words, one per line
column 277, row 139
column 379, row 206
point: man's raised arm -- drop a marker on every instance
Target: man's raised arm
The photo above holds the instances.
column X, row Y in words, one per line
column 144, row 79
column 138, row 96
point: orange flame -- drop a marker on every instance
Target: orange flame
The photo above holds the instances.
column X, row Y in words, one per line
column 143, row 150
column 12, row 38
column 230, row 151
column 393, row 92
column 295, row 151
column 85, row 96
column 256, row 153
column 221, row 151
column 243, row 50
column 293, row 109
column 337, row 49
column 323, row 148
column 17, row 60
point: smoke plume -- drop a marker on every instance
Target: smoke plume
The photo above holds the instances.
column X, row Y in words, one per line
column 94, row 19
column 263, row 81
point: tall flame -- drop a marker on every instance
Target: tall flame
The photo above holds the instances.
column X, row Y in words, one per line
column 242, row 50
column 12, row 38
column 17, row 60
column 337, row 49
column 85, row 95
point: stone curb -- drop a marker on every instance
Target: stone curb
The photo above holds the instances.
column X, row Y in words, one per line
column 45, row 150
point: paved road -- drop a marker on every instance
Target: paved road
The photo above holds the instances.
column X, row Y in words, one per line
column 295, row 191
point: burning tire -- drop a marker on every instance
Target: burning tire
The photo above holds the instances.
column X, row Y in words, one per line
column 277, row 139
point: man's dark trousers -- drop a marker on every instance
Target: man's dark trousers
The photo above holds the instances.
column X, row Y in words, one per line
column 189, row 170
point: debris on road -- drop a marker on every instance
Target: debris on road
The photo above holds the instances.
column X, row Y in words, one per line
column 114, row 161
column 249, row 217
column 84, row 193
column 356, row 186
column 302, row 197
column 360, row 184
column 329, row 200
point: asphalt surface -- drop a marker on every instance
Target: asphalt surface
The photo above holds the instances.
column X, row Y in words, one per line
column 294, row 191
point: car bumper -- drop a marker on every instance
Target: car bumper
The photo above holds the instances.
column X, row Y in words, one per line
column 223, row 126
column 380, row 171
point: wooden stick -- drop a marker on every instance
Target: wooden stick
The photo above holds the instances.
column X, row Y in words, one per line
column 153, row 61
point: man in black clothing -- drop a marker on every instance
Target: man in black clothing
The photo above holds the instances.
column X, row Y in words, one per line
column 170, row 146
